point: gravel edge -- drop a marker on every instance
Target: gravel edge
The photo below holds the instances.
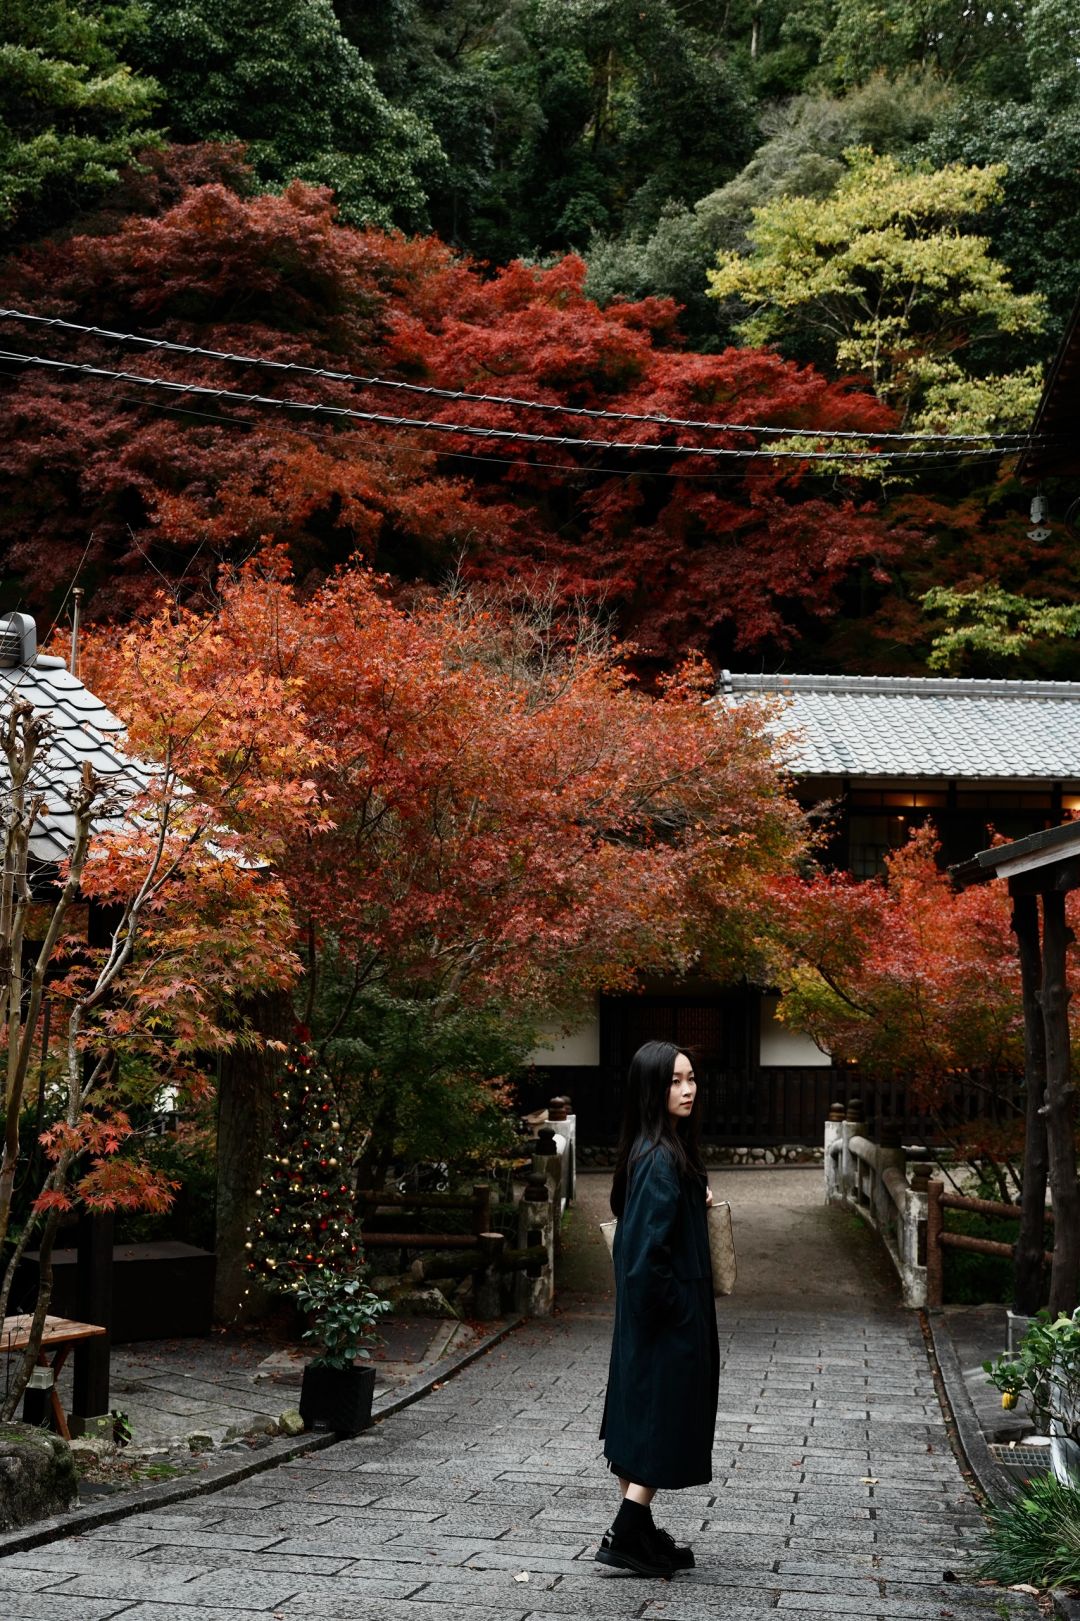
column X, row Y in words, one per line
column 993, row 1482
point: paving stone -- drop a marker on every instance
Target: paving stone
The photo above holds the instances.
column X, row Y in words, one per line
column 61, row 1607
column 394, row 1503
column 246, row 1589
column 128, row 1579
column 358, row 1608
column 461, row 1581
column 186, row 1612
column 16, row 1579
column 76, row 1553
column 266, row 1560
column 343, row 1491
column 355, row 1545
column 277, row 1517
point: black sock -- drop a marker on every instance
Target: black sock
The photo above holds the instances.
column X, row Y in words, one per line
column 631, row 1517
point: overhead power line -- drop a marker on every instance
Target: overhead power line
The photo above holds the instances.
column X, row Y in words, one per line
column 1000, row 442
column 514, row 435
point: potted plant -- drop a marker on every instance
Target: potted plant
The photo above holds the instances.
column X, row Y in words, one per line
column 1046, row 1371
column 336, row 1392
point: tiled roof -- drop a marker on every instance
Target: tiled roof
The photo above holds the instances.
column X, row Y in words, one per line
column 902, row 727
column 83, row 730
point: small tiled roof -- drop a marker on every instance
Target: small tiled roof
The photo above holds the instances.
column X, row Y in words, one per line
column 83, row 729
column 889, row 727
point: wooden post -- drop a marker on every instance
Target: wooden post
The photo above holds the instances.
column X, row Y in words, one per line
column 1060, row 1105
column 1029, row 1267
column 481, row 1207
column 487, row 1301
column 94, row 1292
column 935, row 1221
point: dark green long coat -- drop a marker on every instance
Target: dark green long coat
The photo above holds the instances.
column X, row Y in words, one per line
column 660, row 1410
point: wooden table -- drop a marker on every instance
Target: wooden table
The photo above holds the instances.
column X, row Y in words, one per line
column 60, row 1334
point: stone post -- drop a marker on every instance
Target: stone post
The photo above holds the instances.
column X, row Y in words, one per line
column 833, row 1147
column 912, row 1246
column 891, row 1157
column 535, row 1294
column 853, row 1126
column 566, row 1132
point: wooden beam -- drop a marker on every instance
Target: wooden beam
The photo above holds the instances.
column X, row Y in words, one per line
column 1028, row 1274
column 1038, row 874
column 1060, row 1105
column 94, row 1297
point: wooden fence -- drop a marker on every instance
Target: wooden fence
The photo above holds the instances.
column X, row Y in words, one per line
column 939, row 1239
column 755, row 1108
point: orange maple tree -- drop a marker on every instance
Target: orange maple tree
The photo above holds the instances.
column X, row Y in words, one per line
column 499, row 820
column 490, row 812
column 189, row 923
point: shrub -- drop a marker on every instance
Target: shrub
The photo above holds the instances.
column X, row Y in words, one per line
column 973, row 1279
column 1035, row 1537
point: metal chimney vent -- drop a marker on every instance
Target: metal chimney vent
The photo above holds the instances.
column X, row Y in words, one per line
column 18, row 640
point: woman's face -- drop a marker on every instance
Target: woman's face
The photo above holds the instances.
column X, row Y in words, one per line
column 683, row 1089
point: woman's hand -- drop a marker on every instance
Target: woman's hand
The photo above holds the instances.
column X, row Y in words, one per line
column 708, row 1196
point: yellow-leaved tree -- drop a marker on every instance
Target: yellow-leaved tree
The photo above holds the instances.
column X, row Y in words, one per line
column 886, row 277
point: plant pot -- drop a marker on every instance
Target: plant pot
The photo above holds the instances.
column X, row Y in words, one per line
column 337, row 1399
column 1017, row 1326
column 1064, row 1450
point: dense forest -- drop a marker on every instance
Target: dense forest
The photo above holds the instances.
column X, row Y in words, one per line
column 847, row 215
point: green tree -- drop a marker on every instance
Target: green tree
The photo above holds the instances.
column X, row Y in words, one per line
column 560, row 117
column 1035, row 226
column 281, row 76
column 802, row 156
column 883, row 277
column 72, row 114
column 848, row 41
column 992, row 627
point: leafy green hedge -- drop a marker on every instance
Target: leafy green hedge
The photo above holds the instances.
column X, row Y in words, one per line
column 972, row 1279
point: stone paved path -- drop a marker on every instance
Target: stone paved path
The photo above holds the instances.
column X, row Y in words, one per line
column 834, row 1493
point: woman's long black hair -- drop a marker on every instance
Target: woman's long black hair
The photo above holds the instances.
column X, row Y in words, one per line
column 646, row 1120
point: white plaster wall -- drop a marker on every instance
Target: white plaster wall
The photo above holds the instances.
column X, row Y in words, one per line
column 781, row 1046
column 581, row 1046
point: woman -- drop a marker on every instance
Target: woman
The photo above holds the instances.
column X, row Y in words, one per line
column 660, row 1410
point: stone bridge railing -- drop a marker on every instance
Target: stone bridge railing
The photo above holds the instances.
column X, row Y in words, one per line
column 876, row 1180
column 541, row 1206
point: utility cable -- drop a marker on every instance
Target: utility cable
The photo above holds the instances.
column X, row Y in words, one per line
column 1001, row 442
column 514, row 435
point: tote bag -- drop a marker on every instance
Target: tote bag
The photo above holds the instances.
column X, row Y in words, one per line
column 721, row 1245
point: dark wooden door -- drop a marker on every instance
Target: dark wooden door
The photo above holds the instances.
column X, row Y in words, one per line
column 716, row 1032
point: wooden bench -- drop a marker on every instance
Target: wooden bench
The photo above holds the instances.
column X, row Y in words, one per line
column 61, row 1333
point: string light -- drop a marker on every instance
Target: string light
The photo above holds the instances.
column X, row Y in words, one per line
column 305, row 1199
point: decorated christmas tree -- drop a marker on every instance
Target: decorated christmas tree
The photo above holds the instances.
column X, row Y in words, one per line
column 304, row 1221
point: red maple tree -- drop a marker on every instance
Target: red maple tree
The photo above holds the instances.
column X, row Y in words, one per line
column 913, row 979
column 684, row 553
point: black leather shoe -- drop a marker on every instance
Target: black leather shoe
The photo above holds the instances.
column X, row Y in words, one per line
column 681, row 1558
column 641, row 1551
